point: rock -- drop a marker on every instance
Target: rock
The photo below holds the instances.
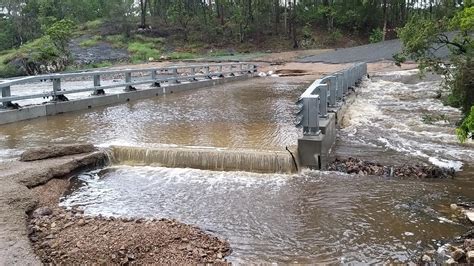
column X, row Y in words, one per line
column 67, row 225
column 469, row 244
column 470, row 257
column 426, row 258
column 458, row 254
column 41, row 153
column 469, row 215
column 43, row 211
column 450, row 261
column 81, row 222
column 453, row 206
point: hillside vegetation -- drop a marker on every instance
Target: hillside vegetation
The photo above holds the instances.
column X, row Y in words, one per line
column 184, row 29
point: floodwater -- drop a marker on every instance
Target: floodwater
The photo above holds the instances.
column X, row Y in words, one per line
column 253, row 114
column 312, row 217
column 325, row 217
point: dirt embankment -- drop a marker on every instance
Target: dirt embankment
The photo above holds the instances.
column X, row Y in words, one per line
column 29, row 211
column 62, row 236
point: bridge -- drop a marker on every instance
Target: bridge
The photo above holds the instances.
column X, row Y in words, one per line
column 320, row 108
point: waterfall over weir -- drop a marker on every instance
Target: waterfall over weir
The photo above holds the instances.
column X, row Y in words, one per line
column 217, row 159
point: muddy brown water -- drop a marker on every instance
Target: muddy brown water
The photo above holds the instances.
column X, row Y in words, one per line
column 308, row 217
column 254, row 114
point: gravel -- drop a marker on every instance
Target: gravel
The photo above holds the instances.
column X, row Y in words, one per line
column 69, row 237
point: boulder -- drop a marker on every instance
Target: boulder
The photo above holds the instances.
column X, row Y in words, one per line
column 469, row 215
column 55, row 151
column 470, row 257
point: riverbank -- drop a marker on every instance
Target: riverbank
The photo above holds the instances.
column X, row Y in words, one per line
column 61, row 236
column 29, row 211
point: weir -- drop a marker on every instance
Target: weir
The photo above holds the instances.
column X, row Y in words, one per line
column 206, row 159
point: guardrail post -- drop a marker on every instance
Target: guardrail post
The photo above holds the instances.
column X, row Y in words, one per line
column 97, row 84
column 323, row 98
column 6, row 93
column 56, row 88
column 345, row 87
column 332, row 90
column 128, row 79
column 312, row 107
column 339, row 85
column 175, row 74
column 193, row 74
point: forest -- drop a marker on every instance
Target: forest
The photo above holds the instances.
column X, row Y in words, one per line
column 299, row 23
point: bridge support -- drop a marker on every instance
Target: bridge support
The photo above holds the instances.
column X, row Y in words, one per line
column 313, row 151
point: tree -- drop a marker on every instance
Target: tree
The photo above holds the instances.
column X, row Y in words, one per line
column 424, row 38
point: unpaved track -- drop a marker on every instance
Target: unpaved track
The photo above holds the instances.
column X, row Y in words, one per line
column 16, row 200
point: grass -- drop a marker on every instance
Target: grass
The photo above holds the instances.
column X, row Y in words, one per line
column 142, row 51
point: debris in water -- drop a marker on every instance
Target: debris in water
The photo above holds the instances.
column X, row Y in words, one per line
column 359, row 167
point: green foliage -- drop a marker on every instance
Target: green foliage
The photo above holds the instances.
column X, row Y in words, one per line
column 334, row 36
column 60, row 33
column 143, row 51
column 423, row 37
column 376, row 35
column 466, row 130
column 92, row 25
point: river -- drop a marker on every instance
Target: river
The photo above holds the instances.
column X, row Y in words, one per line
column 313, row 216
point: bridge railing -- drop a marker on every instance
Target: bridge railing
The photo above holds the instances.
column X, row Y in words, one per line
column 326, row 92
column 153, row 76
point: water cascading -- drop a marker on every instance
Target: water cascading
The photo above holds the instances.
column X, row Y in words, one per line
column 206, row 159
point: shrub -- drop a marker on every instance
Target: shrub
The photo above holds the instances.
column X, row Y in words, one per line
column 466, row 130
column 376, row 35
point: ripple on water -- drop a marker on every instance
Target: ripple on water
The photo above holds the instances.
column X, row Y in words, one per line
column 316, row 216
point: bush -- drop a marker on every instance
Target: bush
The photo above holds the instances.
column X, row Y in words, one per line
column 335, row 36
column 376, row 35
column 466, row 130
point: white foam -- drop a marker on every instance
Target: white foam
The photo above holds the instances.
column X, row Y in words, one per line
column 455, row 165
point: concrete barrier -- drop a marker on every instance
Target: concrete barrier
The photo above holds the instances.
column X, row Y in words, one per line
column 322, row 107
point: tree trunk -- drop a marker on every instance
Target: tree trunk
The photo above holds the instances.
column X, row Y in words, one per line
column 384, row 19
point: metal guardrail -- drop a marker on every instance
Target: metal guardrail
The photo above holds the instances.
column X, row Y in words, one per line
column 326, row 92
column 155, row 76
